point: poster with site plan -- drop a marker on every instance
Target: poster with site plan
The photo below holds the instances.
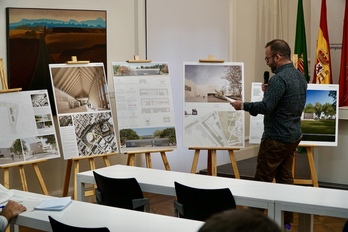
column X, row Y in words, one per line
column 209, row 119
column 144, row 105
column 83, row 109
column 27, row 127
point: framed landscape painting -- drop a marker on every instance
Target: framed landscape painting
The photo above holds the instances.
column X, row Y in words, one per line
column 39, row 37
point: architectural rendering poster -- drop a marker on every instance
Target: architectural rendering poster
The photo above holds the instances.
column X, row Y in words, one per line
column 319, row 118
column 27, row 128
column 144, row 105
column 256, row 123
column 209, row 119
column 83, row 109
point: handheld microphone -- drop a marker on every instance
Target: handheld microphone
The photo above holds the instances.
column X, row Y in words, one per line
column 265, row 77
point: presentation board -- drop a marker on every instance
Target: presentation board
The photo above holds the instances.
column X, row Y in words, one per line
column 319, row 120
column 83, row 109
column 209, row 119
column 144, row 105
column 27, row 128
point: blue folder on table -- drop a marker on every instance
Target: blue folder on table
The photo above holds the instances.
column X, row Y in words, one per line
column 54, row 204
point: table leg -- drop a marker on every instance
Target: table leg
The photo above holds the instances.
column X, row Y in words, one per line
column 80, row 190
column 305, row 222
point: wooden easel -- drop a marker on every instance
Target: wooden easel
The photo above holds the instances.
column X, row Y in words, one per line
column 20, row 165
column 314, row 179
column 211, row 162
column 76, row 162
column 138, row 60
column 4, row 85
column 211, row 59
column 131, row 156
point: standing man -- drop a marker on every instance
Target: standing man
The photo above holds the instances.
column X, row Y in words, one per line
column 282, row 106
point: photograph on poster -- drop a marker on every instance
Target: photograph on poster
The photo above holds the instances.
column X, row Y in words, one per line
column 80, row 88
column 83, row 109
column 37, row 37
column 319, row 121
column 144, row 104
column 148, row 137
column 27, row 129
column 209, row 119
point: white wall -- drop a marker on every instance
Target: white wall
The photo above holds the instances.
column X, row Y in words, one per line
column 184, row 31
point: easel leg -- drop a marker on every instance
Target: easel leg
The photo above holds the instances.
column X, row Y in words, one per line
column 234, row 164
column 7, row 178
column 91, row 163
column 67, row 178
column 23, row 179
column 213, row 163
column 148, row 160
column 312, row 167
column 106, row 161
column 131, row 158
column 76, row 170
column 195, row 161
column 165, row 161
column 39, row 177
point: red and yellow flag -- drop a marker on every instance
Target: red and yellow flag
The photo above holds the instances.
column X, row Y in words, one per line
column 322, row 68
column 343, row 80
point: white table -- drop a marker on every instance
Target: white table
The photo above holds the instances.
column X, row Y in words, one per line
column 93, row 215
column 308, row 201
column 274, row 197
column 246, row 192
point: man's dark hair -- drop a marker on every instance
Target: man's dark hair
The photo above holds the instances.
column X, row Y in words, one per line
column 280, row 47
column 240, row 220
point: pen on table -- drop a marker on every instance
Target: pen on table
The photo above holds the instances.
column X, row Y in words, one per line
column 2, row 206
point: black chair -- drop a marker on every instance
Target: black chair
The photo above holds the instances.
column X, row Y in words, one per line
column 200, row 204
column 120, row 192
column 345, row 227
column 59, row 227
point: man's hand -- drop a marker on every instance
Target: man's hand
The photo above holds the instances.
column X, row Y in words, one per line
column 237, row 104
column 12, row 209
column 264, row 87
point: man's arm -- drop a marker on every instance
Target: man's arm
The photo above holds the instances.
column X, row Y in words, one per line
column 3, row 223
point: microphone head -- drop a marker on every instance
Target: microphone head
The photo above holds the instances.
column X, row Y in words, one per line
column 265, row 77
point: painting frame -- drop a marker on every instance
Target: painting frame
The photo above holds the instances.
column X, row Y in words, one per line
column 37, row 37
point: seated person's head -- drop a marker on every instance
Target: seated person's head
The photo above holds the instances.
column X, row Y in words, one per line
column 240, row 220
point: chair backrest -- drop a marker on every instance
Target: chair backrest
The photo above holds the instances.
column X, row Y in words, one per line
column 59, row 227
column 345, row 227
column 200, row 204
column 117, row 192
